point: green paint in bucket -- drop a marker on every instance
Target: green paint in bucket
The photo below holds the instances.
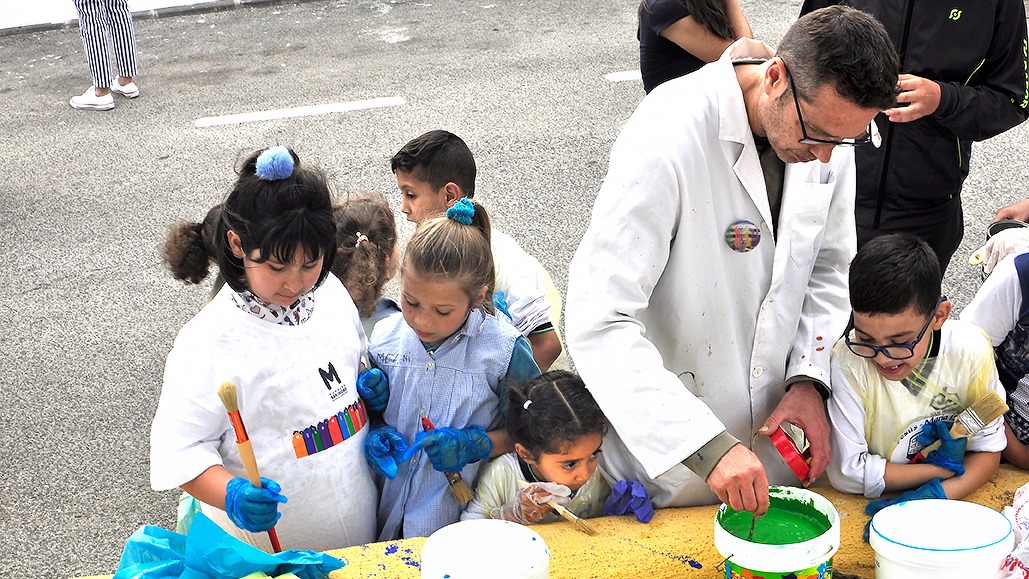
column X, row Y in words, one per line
column 796, row 539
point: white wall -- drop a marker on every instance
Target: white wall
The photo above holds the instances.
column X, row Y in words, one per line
column 15, row 13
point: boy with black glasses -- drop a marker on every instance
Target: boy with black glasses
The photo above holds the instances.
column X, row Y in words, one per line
column 900, row 375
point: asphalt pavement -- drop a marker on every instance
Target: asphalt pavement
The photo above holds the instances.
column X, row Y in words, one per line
column 87, row 196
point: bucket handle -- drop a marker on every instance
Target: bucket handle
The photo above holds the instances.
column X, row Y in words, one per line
column 723, row 565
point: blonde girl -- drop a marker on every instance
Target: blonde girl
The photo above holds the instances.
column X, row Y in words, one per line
column 448, row 358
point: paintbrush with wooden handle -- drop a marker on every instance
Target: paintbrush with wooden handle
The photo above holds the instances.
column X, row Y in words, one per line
column 227, row 392
column 580, row 524
column 462, row 492
column 983, row 411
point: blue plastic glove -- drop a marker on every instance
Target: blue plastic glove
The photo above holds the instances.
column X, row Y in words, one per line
column 251, row 508
column 500, row 304
column 384, row 450
column 951, row 453
column 930, row 490
column 450, row 449
column 373, row 387
column 626, row 496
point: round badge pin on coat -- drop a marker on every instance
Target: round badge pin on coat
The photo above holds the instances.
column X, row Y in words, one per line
column 742, row 236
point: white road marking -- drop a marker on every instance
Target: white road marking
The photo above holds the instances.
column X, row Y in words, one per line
column 305, row 111
column 624, row 76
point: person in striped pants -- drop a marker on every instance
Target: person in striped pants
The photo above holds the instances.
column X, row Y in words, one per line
column 103, row 24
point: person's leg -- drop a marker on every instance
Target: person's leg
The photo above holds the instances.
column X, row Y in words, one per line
column 93, row 27
column 123, row 38
column 944, row 236
column 866, row 234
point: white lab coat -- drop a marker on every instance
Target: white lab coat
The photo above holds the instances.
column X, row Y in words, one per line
column 678, row 336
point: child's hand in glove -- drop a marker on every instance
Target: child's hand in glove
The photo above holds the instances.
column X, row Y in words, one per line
column 530, row 506
column 451, row 449
column 251, row 508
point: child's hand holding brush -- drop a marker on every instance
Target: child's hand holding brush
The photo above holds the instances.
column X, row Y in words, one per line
column 255, row 509
column 451, row 449
column 531, row 504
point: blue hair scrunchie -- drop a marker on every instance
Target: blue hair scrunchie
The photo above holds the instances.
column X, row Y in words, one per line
column 462, row 211
column 274, row 163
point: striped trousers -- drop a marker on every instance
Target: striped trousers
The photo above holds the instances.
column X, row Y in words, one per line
column 105, row 24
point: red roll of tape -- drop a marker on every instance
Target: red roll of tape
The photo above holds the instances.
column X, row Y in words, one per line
column 797, row 461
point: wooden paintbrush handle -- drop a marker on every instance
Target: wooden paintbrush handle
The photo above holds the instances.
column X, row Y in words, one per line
column 246, row 455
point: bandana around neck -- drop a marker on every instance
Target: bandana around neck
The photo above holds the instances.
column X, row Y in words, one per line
column 295, row 314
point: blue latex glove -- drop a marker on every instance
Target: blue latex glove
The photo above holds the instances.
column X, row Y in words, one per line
column 629, row 496
column 384, row 450
column 951, row 453
column 451, row 449
column 251, row 508
column 373, row 387
column 930, row 490
column 500, row 304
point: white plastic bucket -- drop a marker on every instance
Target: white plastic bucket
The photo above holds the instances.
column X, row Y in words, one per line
column 485, row 548
column 939, row 539
column 805, row 558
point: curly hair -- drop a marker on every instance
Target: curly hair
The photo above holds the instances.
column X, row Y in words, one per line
column 190, row 247
column 366, row 235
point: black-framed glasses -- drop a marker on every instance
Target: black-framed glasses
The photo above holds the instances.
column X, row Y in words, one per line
column 871, row 133
column 891, row 351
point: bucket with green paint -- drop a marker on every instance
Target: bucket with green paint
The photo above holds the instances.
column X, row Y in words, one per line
column 796, row 538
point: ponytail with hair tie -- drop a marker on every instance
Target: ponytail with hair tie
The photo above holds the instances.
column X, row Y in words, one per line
column 462, row 211
column 274, row 163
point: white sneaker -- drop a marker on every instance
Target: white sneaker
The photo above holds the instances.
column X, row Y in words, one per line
column 129, row 91
column 89, row 101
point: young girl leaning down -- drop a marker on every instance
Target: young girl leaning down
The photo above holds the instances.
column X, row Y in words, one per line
column 450, row 360
column 557, row 428
column 287, row 334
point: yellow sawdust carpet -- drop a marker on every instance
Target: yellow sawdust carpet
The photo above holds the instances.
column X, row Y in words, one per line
column 677, row 543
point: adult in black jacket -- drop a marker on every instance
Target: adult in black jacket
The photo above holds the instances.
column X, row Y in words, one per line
column 964, row 79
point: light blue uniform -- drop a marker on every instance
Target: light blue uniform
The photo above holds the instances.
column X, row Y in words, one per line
column 462, row 382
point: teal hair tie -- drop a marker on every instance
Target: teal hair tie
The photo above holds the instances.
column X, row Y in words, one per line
column 462, row 211
column 274, row 163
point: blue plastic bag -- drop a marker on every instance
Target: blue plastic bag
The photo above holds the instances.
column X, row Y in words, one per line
column 208, row 552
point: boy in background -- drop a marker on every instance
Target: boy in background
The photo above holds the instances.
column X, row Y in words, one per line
column 901, row 374
column 433, row 172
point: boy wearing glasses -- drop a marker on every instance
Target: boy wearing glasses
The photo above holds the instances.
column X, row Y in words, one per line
column 900, row 374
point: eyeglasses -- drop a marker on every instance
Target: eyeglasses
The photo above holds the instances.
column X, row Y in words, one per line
column 892, row 351
column 871, row 133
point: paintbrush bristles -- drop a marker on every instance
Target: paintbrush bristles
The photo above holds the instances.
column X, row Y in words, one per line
column 580, row 524
column 985, row 410
column 227, row 392
column 462, row 492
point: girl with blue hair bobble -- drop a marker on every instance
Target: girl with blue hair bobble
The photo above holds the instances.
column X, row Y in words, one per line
column 287, row 333
column 449, row 359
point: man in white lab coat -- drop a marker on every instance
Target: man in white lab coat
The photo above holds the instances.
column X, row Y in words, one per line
column 711, row 283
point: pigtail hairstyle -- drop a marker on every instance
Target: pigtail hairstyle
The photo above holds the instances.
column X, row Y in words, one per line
column 444, row 248
column 549, row 412
column 190, row 247
column 711, row 14
column 287, row 206
column 366, row 234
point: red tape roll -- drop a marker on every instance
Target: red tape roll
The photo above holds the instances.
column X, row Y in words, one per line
column 797, row 462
